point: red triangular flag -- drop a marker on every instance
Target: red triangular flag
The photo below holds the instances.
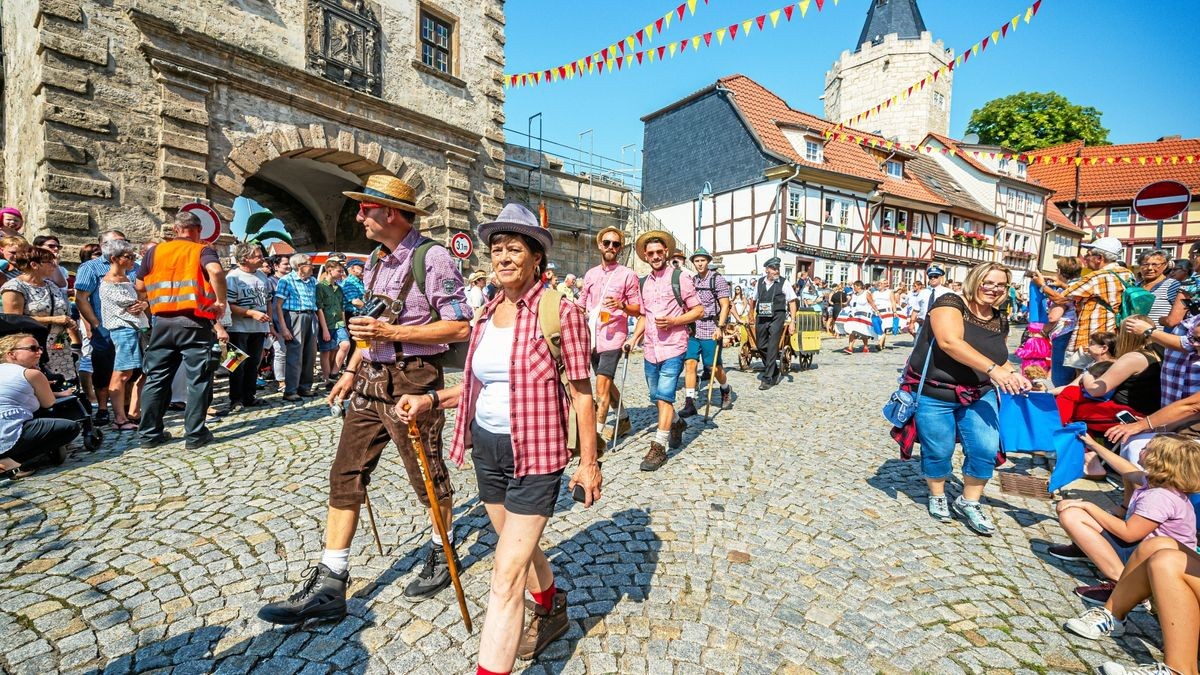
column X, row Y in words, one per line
column 966, row 55
column 640, row 34
column 820, row 4
column 604, row 54
column 512, row 81
column 661, row 51
column 679, row 10
column 639, row 57
column 761, row 18
column 546, row 75
column 950, row 66
column 1035, row 7
column 910, row 91
column 787, row 11
column 1004, row 30
column 621, row 46
column 985, row 41
column 658, row 25
column 935, row 75
column 619, row 63
column 733, row 32
column 682, row 46
column 588, row 60
column 707, row 39
column 562, row 72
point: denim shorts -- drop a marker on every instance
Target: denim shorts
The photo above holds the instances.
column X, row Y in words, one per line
column 698, row 349
column 128, row 348
column 1123, row 548
column 662, row 379
column 940, row 423
column 339, row 335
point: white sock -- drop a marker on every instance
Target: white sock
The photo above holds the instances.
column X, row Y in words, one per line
column 599, row 427
column 436, row 541
column 661, row 437
column 726, row 388
column 336, row 559
column 690, row 393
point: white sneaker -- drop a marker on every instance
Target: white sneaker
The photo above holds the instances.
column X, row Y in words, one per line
column 1096, row 623
column 1114, row 668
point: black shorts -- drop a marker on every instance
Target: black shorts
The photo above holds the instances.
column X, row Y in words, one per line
column 605, row 363
column 492, row 455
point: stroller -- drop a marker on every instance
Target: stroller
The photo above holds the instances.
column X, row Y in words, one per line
column 72, row 408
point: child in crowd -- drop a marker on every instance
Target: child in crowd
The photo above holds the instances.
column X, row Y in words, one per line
column 1158, row 508
column 1035, row 350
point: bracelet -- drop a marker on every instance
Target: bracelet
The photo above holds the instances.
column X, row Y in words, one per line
column 990, row 369
column 437, row 402
column 1149, row 424
column 349, row 370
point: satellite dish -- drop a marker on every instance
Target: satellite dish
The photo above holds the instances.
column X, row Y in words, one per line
column 971, row 139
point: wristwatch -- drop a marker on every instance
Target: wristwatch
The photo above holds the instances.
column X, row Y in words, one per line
column 1147, row 333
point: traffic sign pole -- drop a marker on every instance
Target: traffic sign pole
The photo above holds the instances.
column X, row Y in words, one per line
column 1158, row 236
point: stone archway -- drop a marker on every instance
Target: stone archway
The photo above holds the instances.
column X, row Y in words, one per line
column 302, row 171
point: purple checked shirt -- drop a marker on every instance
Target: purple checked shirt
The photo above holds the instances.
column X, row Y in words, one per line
column 443, row 283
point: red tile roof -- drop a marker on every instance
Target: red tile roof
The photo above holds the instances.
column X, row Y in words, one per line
column 1119, row 181
column 765, row 112
column 1055, row 216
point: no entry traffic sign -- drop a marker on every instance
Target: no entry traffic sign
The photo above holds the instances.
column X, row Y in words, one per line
column 210, row 222
column 460, row 245
column 1162, row 200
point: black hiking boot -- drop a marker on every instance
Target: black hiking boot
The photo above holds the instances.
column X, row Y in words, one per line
column 323, row 596
column 689, row 408
column 433, row 577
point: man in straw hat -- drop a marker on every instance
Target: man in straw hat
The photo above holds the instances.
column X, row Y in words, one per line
column 713, row 291
column 610, row 296
column 475, row 295
column 669, row 305
column 401, row 358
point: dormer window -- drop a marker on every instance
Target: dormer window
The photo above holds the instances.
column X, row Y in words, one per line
column 895, row 169
column 1021, row 169
column 1003, row 166
column 814, row 151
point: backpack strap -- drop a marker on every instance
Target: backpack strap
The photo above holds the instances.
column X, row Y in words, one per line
column 550, row 324
column 677, row 289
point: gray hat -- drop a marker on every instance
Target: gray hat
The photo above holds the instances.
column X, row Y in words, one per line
column 773, row 262
column 517, row 219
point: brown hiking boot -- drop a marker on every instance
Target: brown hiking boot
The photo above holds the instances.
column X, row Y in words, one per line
column 624, row 426
column 656, row 457
column 677, row 429
column 545, row 626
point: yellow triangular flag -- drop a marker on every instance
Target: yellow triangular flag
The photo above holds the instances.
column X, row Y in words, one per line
column 945, row 70
column 692, row 7
column 1078, row 161
column 695, row 40
column 672, row 48
column 649, row 32
column 803, row 7
column 958, row 61
column 609, row 63
column 1141, row 160
column 650, row 54
column 995, row 36
column 720, row 35
column 746, row 26
column 628, row 60
column 1028, row 14
column 629, row 40
column 667, row 19
column 774, row 18
column 975, row 50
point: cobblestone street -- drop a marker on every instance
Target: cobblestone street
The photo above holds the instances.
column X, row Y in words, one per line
column 784, row 537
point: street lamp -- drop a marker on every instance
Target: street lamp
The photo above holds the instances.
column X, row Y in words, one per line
column 706, row 192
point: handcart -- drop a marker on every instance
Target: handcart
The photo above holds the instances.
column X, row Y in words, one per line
column 750, row 351
column 806, row 340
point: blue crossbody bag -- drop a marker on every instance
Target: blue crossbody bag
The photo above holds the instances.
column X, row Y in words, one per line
column 902, row 405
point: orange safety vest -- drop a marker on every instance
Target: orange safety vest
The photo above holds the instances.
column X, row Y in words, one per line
column 176, row 282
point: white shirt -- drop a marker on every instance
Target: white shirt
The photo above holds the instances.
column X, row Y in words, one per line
column 924, row 299
column 490, row 364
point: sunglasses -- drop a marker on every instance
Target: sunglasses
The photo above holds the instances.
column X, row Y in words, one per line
column 610, row 244
column 363, row 207
column 36, row 349
column 53, row 247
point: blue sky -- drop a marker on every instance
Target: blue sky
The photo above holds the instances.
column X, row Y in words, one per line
column 1134, row 61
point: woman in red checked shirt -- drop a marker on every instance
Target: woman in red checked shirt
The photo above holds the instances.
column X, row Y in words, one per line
column 513, row 417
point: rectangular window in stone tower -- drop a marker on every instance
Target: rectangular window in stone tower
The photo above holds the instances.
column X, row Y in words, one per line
column 939, row 100
column 437, row 34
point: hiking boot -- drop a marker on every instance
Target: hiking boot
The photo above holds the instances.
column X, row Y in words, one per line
column 1067, row 552
column 544, row 627
column 689, row 408
column 323, row 596
column 677, row 429
column 433, row 577
column 727, row 398
column 1156, row 668
column 973, row 515
column 939, row 508
column 1096, row 623
column 656, row 457
column 764, row 385
column 624, row 426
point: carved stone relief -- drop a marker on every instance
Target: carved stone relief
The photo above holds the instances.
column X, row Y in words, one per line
column 343, row 43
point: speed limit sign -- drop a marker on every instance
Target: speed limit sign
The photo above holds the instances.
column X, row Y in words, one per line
column 461, row 246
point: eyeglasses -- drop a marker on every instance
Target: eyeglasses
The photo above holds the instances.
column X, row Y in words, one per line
column 608, row 243
column 363, row 207
column 994, row 287
column 35, row 349
column 656, row 254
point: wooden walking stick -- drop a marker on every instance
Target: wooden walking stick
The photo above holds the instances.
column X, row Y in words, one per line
column 371, row 517
column 712, row 377
column 414, row 437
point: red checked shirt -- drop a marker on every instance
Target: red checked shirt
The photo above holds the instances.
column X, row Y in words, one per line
column 538, row 409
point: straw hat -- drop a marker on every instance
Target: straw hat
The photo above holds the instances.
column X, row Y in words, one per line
column 388, row 191
column 619, row 232
column 640, row 244
column 517, row 219
column 476, row 276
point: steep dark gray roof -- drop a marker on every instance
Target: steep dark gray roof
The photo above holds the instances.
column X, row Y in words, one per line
column 885, row 17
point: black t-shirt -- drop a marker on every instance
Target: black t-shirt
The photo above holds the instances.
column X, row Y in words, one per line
column 987, row 337
column 838, row 297
column 1142, row 392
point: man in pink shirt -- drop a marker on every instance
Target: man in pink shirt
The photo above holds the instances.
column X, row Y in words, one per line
column 610, row 295
column 669, row 305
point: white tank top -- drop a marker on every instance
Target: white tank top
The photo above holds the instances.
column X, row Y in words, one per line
column 17, row 403
column 490, row 364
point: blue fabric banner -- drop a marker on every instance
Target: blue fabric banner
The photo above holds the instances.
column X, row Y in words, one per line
column 1028, row 422
column 1038, row 312
column 1068, row 450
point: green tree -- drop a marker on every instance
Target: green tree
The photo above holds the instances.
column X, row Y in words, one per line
column 1033, row 120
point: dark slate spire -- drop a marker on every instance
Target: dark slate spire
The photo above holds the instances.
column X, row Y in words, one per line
column 885, row 17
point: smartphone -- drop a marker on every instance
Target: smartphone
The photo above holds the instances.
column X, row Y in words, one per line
column 578, row 495
column 1126, row 417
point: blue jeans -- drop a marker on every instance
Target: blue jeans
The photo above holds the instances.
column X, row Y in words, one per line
column 663, row 378
column 940, row 422
column 1060, row 375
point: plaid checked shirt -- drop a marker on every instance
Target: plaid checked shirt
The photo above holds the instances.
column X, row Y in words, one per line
column 1180, row 376
column 711, row 289
column 538, row 405
column 1090, row 295
column 298, row 295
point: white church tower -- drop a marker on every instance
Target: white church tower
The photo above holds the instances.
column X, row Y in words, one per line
column 894, row 51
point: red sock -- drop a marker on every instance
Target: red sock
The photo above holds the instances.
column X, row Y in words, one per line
column 480, row 670
column 544, row 597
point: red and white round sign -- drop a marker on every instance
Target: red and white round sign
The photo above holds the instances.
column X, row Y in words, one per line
column 461, row 246
column 1162, row 200
column 210, row 222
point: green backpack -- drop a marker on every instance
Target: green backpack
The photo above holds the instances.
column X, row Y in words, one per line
column 1134, row 300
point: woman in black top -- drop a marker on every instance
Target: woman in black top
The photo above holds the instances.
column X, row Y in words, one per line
column 969, row 363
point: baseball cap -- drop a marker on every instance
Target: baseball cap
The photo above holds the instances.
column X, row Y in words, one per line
column 1109, row 245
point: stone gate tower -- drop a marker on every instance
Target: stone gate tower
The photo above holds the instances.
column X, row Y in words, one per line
column 894, row 51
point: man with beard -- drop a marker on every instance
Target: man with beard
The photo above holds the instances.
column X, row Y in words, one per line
column 669, row 305
column 713, row 290
column 774, row 307
column 610, row 295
